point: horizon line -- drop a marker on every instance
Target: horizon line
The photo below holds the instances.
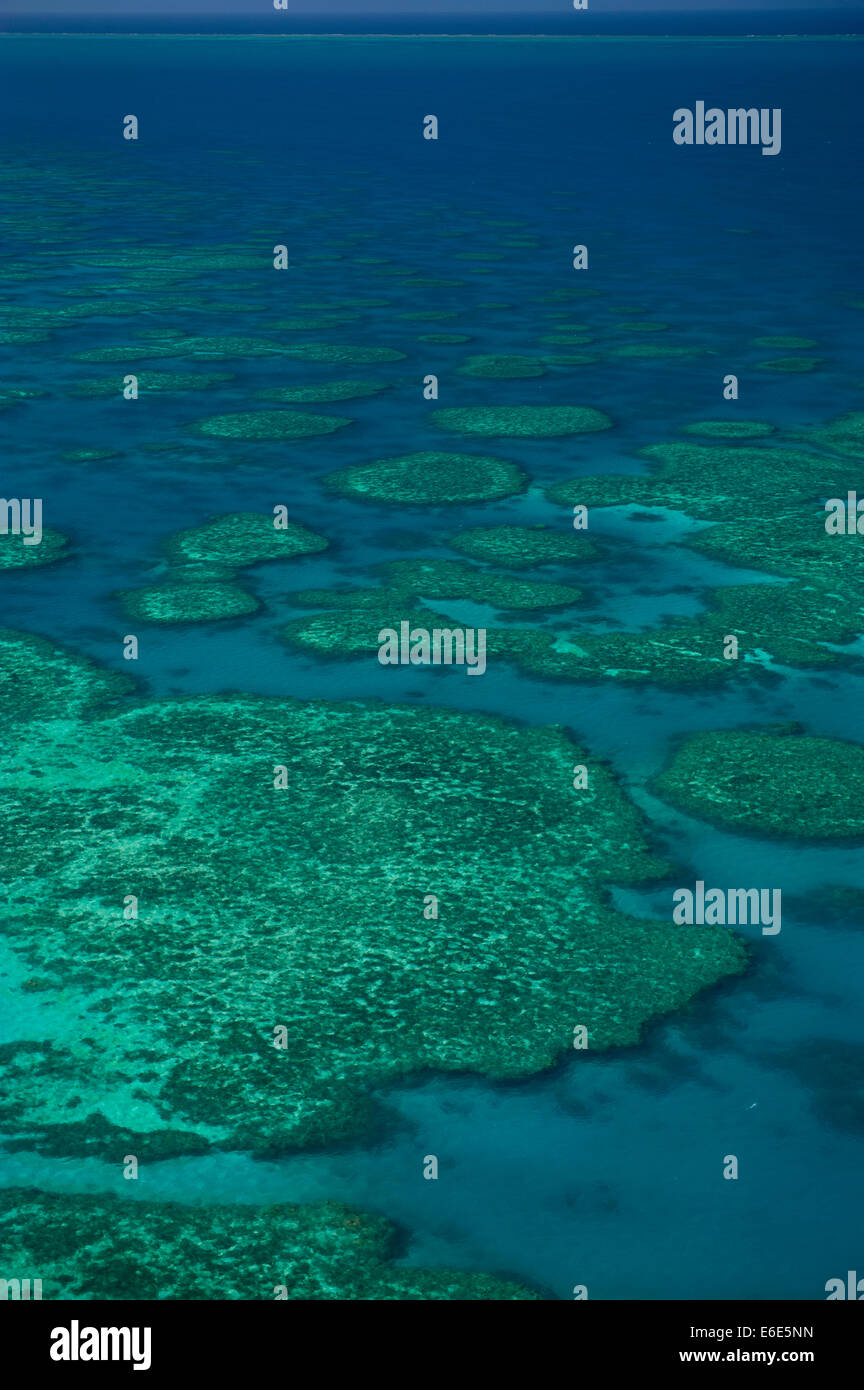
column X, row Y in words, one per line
column 390, row 34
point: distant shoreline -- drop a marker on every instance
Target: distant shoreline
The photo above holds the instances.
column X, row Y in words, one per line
column 826, row 20
column 381, row 34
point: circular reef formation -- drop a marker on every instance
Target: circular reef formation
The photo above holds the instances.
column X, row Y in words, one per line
column 429, row 478
column 19, row 552
column 270, row 424
column 777, row 782
column 521, row 421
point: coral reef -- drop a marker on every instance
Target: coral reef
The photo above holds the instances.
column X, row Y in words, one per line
column 503, row 368
column 429, row 478
column 14, row 554
column 293, row 900
column 107, row 386
column 270, row 424
column 108, row 1248
column 325, row 391
column 519, row 547
column 730, row 429
column 201, row 584
column 774, row 783
column 521, row 421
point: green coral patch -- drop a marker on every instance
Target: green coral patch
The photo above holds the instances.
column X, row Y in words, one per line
column 730, row 429
column 90, row 455
column 789, row 623
column 567, row 339
column 201, row 585
column 168, row 345
column 309, row 324
column 518, row 547
column 326, row 391
column 327, row 352
column 98, row 1248
column 14, row 336
column 792, row 623
column 37, row 679
column 521, row 421
column 843, row 435
column 354, row 623
column 188, row 603
column 709, row 481
column 777, row 784
column 796, row 546
column 437, row 580
column 270, row 424
column 187, row 263
column 19, row 552
column 790, row 364
column 430, row 477
column 240, row 539
column 502, row 367
column 444, row 579
column 107, row 386
column 11, row 394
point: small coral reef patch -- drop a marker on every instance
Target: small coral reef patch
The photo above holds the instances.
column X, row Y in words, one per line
column 520, row 547
column 17, row 551
column 326, row 391
column 189, row 603
column 148, row 382
column 521, row 421
column 202, row 579
column 730, row 429
column 430, row 478
column 772, row 782
column 270, row 424
column 440, row 580
column 503, row 368
column 786, row 365
column 329, row 352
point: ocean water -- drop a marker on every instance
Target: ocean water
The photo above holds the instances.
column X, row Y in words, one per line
column 602, row 1172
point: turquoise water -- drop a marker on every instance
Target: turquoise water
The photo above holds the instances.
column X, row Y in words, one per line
column 605, row 1171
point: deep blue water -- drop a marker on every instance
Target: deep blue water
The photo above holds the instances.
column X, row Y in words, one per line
column 541, row 18
column 608, row 1173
